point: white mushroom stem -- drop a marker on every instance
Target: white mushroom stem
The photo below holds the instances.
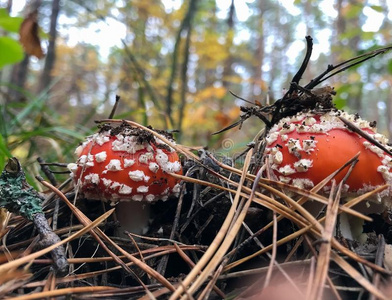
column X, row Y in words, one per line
column 133, row 217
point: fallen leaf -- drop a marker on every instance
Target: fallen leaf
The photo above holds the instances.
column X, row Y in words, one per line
column 29, row 38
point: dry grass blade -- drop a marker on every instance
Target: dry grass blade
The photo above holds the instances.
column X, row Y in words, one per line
column 216, row 242
column 66, row 292
column 83, row 276
column 322, row 267
column 280, row 242
column 85, row 221
column 13, row 275
column 341, row 208
column 183, row 150
column 26, row 259
column 313, row 222
column 364, row 134
column 354, row 274
column 263, row 270
column 305, row 193
column 318, row 229
column 307, row 228
column 192, row 265
column 380, row 254
column 274, row 250
column 204, row 295
column 231, row 234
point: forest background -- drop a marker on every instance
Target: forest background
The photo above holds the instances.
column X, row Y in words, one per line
column 174, row 64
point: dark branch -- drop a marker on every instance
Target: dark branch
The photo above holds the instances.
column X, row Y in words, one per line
column 309, row 49
column 114, row 107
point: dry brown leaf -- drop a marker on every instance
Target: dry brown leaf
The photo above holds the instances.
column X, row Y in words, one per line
column 28, row 36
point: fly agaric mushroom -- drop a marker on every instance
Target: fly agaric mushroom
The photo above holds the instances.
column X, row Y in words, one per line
column 128, row 167
column 304, row 149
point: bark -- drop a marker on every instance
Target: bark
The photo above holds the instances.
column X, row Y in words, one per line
column 184, row 79
column 259, row 52
column 46, row 77
column 184, row 26
column 18, row 80
column 227, row 71
column 343, row 25
column 20, row 71
column 9, row 6
column 339, row 29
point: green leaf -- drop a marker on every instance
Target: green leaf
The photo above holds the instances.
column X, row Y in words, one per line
column 5, row 153
column 10, row 24
column 68, row 132
column 4, row 149
column 377, row 8
column 11, row 51
column 3, row 13
column 353, row 10
column 367, row 36
column 35, row 105
column 340, row 103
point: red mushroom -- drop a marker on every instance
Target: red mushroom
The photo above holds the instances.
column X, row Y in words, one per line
column 126, row 165
column 304, row 149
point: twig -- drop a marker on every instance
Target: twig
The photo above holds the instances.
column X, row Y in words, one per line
column 321, row 272
column 273, row 255
column 213, row 246
column 86, row 221
column 19, row 197
column 357, row 276
column 114, row 107
column 29, row 258
column 379, row 261
column 48, row 173
column 205, row 295
column 163, row 263
column 364, row 134
column 349, row 63
column 192, row 265
column 309, row 49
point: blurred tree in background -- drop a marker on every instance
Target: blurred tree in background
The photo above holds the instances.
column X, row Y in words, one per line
column 176, row 62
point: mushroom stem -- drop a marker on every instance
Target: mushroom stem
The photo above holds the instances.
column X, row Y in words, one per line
column 133, row 216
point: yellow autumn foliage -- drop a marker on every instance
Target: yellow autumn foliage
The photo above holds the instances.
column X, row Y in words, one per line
column 210, row 93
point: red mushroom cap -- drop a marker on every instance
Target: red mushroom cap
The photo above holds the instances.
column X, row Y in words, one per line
column 304, row 149
column 126, row 163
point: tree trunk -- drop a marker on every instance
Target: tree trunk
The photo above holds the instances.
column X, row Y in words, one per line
column 343, row 25
column 184, row 79
column 9, row 6
column 259, row 52
column 18, row 80
column 227, row 71
column 20, row 70
column 51, row 54
column 340, row 27
column 184, row 26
